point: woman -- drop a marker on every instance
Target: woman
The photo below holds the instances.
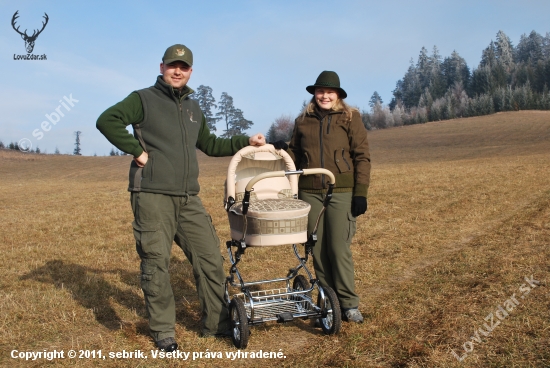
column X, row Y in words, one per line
column 330, row 134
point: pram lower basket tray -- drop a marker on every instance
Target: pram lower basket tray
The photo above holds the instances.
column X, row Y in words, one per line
column 273, row 221
column 269, row 304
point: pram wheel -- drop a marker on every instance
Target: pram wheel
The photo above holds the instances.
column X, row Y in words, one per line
column 332, row 322
column 301, row 283
column 239, row 323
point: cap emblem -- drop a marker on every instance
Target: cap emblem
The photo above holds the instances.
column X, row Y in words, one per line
column 180, row 52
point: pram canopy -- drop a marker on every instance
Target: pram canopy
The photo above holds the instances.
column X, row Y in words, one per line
column 275, row 216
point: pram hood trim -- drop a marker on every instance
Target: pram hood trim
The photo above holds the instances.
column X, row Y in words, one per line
column 251, row 151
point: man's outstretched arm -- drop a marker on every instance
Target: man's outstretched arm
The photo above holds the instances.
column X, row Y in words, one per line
column 216, row 146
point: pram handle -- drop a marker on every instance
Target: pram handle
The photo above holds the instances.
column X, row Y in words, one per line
column 277, row 174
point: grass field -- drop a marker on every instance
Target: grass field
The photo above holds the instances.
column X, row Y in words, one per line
column 459, row 216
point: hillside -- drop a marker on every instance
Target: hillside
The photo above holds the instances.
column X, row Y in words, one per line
column 459, row 215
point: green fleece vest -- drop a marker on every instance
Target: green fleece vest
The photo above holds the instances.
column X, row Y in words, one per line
column 169, row 133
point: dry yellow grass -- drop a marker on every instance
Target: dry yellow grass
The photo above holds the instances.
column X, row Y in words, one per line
column 459, row 214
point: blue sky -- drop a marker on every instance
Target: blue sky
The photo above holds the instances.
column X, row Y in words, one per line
column 263, row 53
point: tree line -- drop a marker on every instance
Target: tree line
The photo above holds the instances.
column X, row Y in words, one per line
column 15, row 146
column 77, row 151
column 508, row 78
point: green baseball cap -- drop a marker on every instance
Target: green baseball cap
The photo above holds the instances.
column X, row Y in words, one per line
column 328, row 79
column 178, row 53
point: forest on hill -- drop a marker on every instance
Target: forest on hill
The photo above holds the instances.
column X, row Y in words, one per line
column 508, row 78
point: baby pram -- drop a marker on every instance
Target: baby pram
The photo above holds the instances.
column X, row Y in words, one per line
column 264, row 210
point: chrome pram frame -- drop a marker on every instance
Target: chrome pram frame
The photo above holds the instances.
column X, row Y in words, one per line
column 285, row 303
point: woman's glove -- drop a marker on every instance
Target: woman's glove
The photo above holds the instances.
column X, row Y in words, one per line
column 358, row 205
column 279, row 145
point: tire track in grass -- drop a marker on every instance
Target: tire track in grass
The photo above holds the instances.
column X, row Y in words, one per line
column 531, row 206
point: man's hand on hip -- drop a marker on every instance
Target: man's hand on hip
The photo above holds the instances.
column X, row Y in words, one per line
column 257, row 140
column 142, row 159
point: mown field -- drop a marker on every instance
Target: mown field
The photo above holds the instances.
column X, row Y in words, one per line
column 459, row 216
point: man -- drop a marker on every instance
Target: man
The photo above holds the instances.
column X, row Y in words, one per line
column 168, row 126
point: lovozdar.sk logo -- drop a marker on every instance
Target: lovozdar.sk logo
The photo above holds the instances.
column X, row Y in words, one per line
column 29, row 40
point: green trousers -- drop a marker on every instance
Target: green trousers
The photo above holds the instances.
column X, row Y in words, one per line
column 332, row 258
column 159, row 220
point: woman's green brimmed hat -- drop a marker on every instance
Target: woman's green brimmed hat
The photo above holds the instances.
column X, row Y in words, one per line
column 330, row 80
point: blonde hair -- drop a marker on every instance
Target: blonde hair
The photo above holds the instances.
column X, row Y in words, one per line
column 339, row 105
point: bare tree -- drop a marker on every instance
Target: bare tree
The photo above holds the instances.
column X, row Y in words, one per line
column 281, row 129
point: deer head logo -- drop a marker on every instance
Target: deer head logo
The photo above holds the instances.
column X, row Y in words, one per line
column 29, row 40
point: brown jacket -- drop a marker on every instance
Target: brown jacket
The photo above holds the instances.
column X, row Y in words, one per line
column 336, row 144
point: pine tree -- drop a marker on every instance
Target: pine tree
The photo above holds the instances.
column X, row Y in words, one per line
column 423, row 68
column 541, row 75
column 455, row 70
column 488, row 56
column 504, row 51
column 226, row 109
column 499, row 76
column 235, row 123
column 397, row 95
column 437, row 84
column 546, row 46
column 375, row 98
column 530, row 48
column 481, row 80
column 409, row 88
column 206, row 101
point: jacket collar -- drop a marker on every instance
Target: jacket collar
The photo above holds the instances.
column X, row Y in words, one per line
column 321, row 114
column 170, row 91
